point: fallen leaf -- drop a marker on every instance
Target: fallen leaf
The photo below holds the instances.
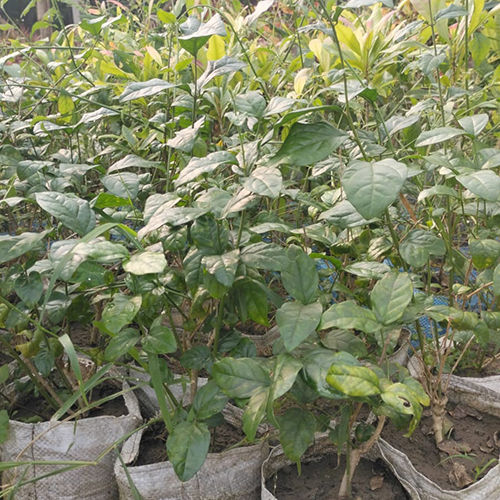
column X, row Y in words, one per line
column 496, row 439
column 458, row 413
column 458, row 476
column 376, row 482
column 454, row 447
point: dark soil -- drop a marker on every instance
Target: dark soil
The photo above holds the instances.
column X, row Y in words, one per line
column 115, row 407
column 81, row 335
column 30, row 408
column 153, row 448
column 475, row 436
column 321, row 481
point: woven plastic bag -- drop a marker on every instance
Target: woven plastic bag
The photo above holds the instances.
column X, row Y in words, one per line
column 422, row 488
column 480, row 393
column 84, row 440
column 231, row 475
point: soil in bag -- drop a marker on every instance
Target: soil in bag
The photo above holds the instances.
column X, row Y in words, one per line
column 30, row 408
column 471, row 449
column 320, row 480
column 153, row 442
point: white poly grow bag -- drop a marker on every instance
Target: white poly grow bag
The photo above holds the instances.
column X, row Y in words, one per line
column 277, row 459
column 422, row 488
column 230, row 475
column 482, row 394
column 83, row 440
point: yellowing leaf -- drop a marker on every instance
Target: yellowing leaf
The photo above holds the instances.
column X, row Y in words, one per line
column 112, row 69
column 216, row 48
column 154, row 54
column 318, row 49
column 300, row 80
column 65, row 104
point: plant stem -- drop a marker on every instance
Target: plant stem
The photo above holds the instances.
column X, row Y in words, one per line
column 218, row 325
column 355, row 457
column 440, row 90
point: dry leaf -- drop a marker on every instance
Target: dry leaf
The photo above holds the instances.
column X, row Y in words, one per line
column 454, row 447
column 487, row 448
column 458, row 476
column 376, row 482
column 496, row 439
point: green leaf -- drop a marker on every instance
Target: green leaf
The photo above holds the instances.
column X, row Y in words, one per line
column 251, row 301
column 484, row 183
column 316, row 363
column 72, row 211
column 241, row 200
column 372, row 187
column 353, row 381
column 160, row 340
column 208, row 401
column 166, row 17
column 240, row 378
column 403, row 400
column 223, row 267
column 255, row 411
column 196, row 34
column 292, row 115
column 284, row 373
column 130, row 161
column 218, row 68
column 452, row 11
column 437, row 135
column 107, row 200
column 343, row 215
column 474, row 125
column 397, row 123
column 438, row 190
column 348, row 315
column 496, row 280
column 187, row 448
column 29, row 288
column 309, row 143
column 120, row 312
column 265, row 181
column 205, row 165
column 184, row 139
column 123, row 185
column 297, row 321
column 12, row 247
column 250, row 103
column 175, row 216
column 299, row 276
column 419, row 245
column 479, row 47
column 136, row 90
column 146, row 263
column 94, row 116
column 344, row 340
column 390, row 297
column 261, row 7
column 368, row 270
column 197, row 358
column 121, row 344
column 262, row 255
column 484, row 252
column 296, row 432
